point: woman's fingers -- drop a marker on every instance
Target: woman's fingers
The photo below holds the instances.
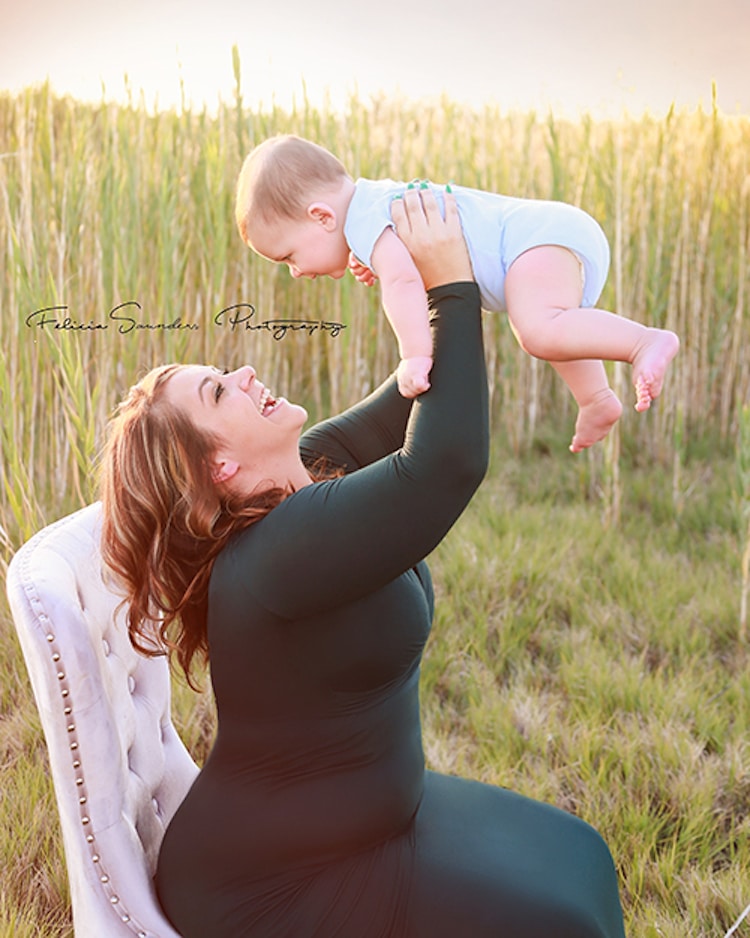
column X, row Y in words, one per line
column 429, row 204
column 413, row 211
column 399, row 217
column 452, row 218
column 418, row 210
column 436, row 243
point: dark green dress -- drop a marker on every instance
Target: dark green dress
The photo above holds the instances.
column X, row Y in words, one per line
column 314, row 815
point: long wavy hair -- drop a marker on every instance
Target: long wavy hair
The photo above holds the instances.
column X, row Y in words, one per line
column 165, row 520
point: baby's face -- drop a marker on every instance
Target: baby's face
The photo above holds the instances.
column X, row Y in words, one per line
column 307, row 247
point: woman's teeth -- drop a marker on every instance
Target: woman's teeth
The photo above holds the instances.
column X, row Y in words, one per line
column 265, row 397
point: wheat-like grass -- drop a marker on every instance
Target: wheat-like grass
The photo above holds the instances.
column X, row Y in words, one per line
column 599, row 666
column 103, row 205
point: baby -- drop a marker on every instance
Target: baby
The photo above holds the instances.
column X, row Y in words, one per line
column 545, row 263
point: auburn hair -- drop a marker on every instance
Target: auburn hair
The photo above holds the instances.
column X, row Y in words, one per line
column 165, row 520
column 279, row 179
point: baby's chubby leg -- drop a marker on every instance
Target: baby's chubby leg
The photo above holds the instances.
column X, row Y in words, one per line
column 543, row 291
column 599, row 408
column 541, row 285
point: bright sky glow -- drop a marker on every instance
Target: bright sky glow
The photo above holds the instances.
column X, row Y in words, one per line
column 576, row 56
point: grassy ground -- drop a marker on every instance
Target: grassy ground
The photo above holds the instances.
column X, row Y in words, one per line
column 601, row 670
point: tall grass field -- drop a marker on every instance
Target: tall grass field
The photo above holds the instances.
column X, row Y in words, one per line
column 590, row 646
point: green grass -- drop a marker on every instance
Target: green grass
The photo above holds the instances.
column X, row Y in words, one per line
column 589, row 646
column 600, row 669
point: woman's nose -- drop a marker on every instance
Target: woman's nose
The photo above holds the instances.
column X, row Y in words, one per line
column 245, row 376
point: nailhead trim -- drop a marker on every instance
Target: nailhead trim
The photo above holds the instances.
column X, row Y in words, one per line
column 67, row 710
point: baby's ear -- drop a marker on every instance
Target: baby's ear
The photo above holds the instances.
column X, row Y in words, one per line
column 323, row 214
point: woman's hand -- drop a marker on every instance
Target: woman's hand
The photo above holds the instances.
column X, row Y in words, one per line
column 435, row 243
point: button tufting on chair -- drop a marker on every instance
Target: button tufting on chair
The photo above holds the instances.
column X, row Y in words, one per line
column 118, row 767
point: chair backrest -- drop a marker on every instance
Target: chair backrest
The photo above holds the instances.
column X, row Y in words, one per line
column 119, row 768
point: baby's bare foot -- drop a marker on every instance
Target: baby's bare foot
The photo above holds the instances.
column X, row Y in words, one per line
column 596, row 419
column 650, row 364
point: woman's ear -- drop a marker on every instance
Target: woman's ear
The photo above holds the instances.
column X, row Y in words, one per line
column 223, row 469
column 323, row 214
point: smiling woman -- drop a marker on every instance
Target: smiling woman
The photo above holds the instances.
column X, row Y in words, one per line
column 257, row 435
column 314, row 813
column 183, row 445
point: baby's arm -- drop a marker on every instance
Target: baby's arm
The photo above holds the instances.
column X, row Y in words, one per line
column 405, row 304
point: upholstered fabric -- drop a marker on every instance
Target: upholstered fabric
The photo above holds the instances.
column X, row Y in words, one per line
column 119, row 768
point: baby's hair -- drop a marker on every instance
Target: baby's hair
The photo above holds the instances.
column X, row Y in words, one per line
column 279, row 178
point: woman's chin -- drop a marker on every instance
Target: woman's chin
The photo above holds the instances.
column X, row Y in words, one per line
column 290, row 411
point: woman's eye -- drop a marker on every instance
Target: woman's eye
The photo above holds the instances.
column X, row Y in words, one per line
column 219, row 388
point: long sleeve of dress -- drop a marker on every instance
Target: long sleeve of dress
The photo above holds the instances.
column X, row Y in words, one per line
column 349, row 536
column 371, row 429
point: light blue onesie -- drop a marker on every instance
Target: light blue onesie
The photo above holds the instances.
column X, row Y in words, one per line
column 497, row 228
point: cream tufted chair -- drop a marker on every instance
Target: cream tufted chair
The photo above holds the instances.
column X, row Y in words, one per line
column 119, row 768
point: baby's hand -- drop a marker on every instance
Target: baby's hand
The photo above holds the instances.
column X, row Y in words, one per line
column 361, row 273
column 412, row 375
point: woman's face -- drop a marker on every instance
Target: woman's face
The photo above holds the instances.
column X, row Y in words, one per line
column 258, row 433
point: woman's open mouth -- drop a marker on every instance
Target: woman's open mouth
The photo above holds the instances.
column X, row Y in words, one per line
column 267, row 403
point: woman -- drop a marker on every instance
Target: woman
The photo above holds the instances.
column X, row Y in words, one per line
column 314, row 815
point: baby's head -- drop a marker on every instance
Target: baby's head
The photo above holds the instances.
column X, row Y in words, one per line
column 287, row 182
column 280, row 178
